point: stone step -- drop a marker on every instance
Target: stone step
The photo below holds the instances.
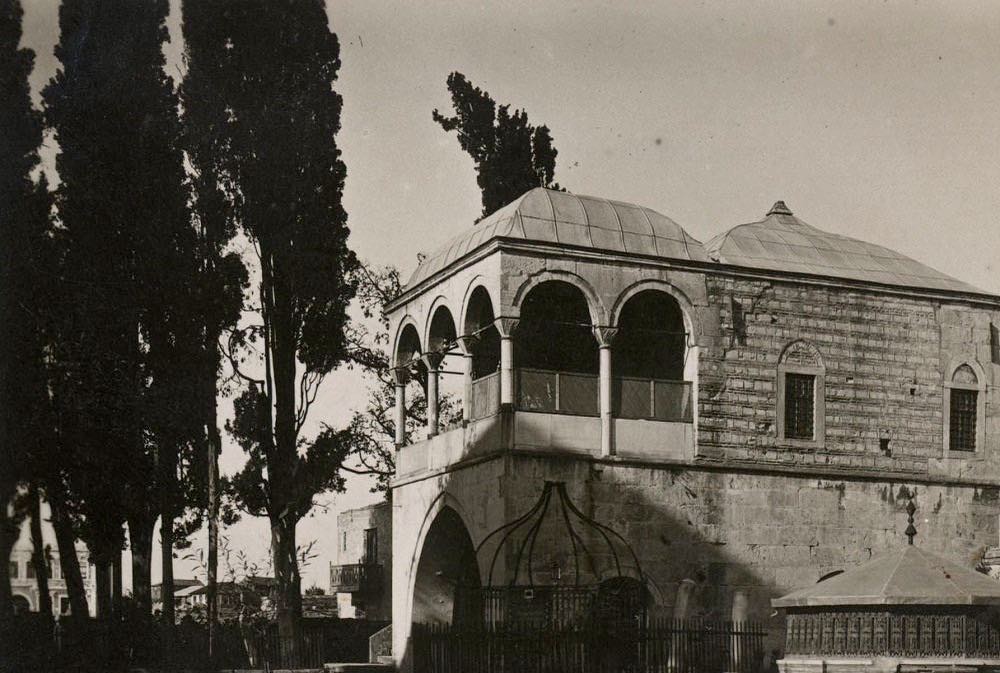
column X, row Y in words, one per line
column 359, row 668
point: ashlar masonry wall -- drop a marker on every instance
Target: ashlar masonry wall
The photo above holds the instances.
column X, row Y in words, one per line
column 886, row 359
column 760, row 534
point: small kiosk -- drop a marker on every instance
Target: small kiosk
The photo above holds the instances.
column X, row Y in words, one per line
column 906, row 611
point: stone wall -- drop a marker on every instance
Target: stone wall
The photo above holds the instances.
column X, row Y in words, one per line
column 886, row 358
column 760, row 534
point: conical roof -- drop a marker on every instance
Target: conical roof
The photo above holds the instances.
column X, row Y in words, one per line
column 910, row 576
column 561, row 218
column 783, row 242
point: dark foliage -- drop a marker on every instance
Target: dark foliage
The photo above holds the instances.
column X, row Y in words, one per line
column 128, row 327
column 275, row 154
column 511, row 155
column 25, row 280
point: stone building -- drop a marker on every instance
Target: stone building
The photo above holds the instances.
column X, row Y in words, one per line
column 750, row 414
column 361, row 574
column 24, row 584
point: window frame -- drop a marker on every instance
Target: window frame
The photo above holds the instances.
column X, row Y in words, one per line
column 978, row 452
column 818, row 372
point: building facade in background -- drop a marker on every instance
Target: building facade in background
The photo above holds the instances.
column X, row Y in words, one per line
column 25, row 584
column 361, row 574
column 749, row 415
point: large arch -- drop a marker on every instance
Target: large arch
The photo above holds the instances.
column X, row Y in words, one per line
column 440, row 329
column 447, row 561
column 407, row 346
column 596, row 308
column 555, row 330
column 22, row 603
column 686, row 306
column 652, row 337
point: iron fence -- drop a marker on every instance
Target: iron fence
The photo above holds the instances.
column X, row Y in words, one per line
column 646, row 645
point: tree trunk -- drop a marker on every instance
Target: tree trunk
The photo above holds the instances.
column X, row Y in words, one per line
column 116, row 586
column 102, row 581
column 140, row 534
column 288, row 596
column 214, row 447
column 8, row 536
column 39, row 559
column 167, row 561
column 68, row 561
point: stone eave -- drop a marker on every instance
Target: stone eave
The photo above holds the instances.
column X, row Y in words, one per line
column 718, row 268
column 865, row 601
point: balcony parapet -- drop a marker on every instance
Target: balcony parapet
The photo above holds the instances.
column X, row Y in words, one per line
column 351, row 578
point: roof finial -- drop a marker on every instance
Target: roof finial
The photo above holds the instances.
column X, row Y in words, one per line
column 779, row 208
column 910, row 529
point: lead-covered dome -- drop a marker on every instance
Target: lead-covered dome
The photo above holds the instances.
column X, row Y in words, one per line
column 561, row 218
column 783, row 242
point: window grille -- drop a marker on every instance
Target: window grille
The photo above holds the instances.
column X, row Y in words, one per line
column 799, row 405
column 12, row 570
column 964, row 405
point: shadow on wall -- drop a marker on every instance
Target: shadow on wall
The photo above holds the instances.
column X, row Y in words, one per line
column 710, row 544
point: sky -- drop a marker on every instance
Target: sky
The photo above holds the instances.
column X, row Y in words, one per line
column 875, row 120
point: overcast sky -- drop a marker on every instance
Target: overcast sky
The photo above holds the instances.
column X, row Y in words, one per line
column 875, row 120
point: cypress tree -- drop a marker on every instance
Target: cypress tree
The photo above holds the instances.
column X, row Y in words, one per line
column 20, row 227
column 286, row 179
column 221, row 276
column 511, row 156
column 123, row 205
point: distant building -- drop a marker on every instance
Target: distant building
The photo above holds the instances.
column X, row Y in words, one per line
column 182, row 590
column 361, row 575
column 24, row 584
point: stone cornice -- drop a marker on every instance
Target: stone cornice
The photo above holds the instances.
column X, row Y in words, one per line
column 708, row 268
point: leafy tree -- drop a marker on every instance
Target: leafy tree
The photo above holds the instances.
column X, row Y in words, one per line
column 20, row 358
column 372, row 431
column 284, row 179
column 123, row 206
column 222, row 276
column 511, row 155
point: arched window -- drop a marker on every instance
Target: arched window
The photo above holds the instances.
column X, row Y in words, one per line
column 801, row 413
column 648, row 362
column 555, row 351
column 964, row 405
column 479, row 323
column 408, row 352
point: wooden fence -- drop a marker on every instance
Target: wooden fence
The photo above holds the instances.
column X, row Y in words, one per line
column 656, row 645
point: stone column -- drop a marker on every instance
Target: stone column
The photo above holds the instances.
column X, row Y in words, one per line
column 506, row 328
column 605, row 336
column 467, row 344
column 400, row 376
column 433, row 362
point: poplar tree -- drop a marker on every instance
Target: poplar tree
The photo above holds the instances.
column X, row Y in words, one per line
column 123, row 207
column 20, row 138
column 511, row 156
column 284, row 180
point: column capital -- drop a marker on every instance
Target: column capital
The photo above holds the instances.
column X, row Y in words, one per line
column 432, row 360
column 506, row 326
column 605, row 335
column 400, row 375
column 467, row 342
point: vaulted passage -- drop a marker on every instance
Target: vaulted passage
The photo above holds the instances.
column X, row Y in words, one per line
column 446, row 560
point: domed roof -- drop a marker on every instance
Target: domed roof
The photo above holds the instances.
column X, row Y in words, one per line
column 783, row 242
column 561, row 218
column 910, row 576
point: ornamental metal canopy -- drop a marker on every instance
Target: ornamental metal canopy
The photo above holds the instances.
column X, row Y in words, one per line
column 910, row 576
